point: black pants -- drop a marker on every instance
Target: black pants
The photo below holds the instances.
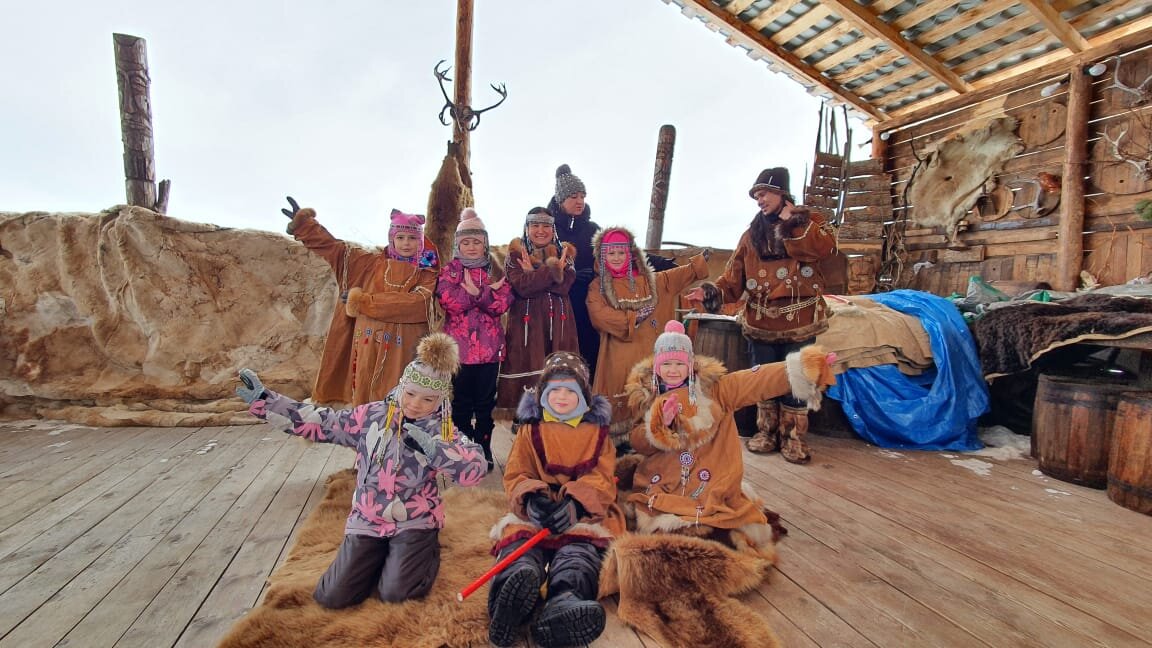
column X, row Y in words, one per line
column 586, row 334
column 397, row 569
column 763, row 353
column 574, row 567
column 474, row 397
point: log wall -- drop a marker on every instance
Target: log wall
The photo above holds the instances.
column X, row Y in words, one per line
column 1010, row 235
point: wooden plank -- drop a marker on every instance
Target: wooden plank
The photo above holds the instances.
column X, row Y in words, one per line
column 239, row 586
column 804, row 611
column 869, row 183
column 183, row 521
column 46, row 566
column 176, row 603
column 66, row 502
column 975, row 253
column 869, row 200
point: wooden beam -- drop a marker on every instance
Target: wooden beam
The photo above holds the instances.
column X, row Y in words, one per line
column 1055, row 23
column 786, row 58
column 1102, row 46
column 460, row 132
column 869, row 23
column 665, row 147
column 1070, row 245
column 738, row 6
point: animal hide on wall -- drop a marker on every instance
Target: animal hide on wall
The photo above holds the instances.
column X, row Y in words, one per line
column 958, row 170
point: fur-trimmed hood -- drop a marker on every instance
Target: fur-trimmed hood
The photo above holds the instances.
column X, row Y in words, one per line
column 529, row 411
column 641, row 389
column 640, row 268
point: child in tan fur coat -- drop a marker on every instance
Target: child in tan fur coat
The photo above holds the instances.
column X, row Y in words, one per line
column 691, row 478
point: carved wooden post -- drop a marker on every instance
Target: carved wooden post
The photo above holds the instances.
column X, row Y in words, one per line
column 136, row 120
column 660, row 175
column 1070, row 248
column 463, row 77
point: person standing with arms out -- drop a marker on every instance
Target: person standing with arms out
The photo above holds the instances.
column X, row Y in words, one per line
column 388, row 299
column 474, row 293
column 775, row 266
column 574, row 225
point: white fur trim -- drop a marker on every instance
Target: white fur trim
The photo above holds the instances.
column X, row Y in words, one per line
column 580, row 528
column 665, row 522
column 759, row 534
column 497, row 531
column 802, row 388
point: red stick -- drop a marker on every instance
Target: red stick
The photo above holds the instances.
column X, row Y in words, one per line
column 502, row 565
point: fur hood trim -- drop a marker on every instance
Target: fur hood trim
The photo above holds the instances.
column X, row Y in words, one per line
column 517, row 249
column 529, row 411
column 641, row 390
column 640, row 268
column 795, row 227
column 809, row 371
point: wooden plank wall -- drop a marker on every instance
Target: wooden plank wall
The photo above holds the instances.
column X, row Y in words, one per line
column 1020, row 245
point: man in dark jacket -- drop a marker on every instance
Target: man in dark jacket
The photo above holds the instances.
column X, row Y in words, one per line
column 574, row 225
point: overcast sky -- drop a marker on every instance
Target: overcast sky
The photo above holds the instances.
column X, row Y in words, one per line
column 335, row 103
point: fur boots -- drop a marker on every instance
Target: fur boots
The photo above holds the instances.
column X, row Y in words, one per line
column 767, row 437
column 793, row 429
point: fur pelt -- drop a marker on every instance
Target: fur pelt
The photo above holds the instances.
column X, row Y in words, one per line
column 289, row 617
column 450, row 193
column 680, row 590
column 640, row 268
column 958, row 170
column 547, row 255
column 1012, row 337
column 529, row 411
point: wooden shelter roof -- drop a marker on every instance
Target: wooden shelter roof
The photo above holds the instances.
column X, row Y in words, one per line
column 903, row 59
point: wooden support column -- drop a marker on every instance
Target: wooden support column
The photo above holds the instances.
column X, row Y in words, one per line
column 1070, row 244
column 135, row 119
column 460, row 131
column 665, row 146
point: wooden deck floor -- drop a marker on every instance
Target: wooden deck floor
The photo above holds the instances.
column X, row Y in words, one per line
column 164, row 537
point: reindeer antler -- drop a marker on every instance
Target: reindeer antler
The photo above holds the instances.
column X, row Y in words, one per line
column 463, row 115
column 1141, row 165
column 1140, row 91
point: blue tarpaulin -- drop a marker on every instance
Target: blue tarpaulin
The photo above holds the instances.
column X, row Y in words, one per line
column 936, row 410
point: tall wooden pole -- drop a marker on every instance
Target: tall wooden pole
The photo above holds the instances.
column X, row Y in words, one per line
column 135, row 119
column 665, row 146
column 463, row 77
column 1070, row 248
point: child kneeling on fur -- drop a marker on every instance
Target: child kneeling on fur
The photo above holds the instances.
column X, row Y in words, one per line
column 690, row 480
column 560, row 476
column 391, row 545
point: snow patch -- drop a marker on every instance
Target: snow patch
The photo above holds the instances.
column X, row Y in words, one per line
column 1003, row 444
column 1053, row 491
column 982, row 468
column 208, row 447
column 891, row 455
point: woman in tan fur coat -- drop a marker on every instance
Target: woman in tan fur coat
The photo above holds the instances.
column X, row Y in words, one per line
column 691, row 478
column 629, row 304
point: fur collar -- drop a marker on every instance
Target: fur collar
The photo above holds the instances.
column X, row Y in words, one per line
column 697, row 429
column 517, row 249
column 529, row 411
column 640, row 268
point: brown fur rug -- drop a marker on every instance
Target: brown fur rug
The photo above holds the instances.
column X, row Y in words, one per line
column 680, row 590
column 290, row 617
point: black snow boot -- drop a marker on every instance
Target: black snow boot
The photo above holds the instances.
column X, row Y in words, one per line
column 567, row 620
column 511, row 601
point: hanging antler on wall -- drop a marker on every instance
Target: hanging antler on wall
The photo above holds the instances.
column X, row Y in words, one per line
column 1140, row 92
column 1140, row 160
column 463, row 115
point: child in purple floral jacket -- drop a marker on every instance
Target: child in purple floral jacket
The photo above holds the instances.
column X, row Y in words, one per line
column 391, row 545
column 474, row 294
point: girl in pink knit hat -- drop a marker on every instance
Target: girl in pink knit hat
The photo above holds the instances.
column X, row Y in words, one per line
column 474, row 292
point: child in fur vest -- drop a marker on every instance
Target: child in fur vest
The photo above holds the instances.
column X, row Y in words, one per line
column 560, row 476
column 474, row 294
column 691, row 478
column 402, row 443
column 388, row 300
column 540, row 322
column 628, row 304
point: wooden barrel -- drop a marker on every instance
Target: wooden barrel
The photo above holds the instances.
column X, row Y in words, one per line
column 1072, row 428
column 1130, row 462
column 719, row 336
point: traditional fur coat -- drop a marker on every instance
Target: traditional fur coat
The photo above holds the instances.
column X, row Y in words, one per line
column 784, row 289
column 693, row 470
column 373, row 335
column 614, row 305
column 559, row 459
column 539, row 320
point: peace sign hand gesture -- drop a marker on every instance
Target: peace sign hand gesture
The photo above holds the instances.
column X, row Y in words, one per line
column 291, row 213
